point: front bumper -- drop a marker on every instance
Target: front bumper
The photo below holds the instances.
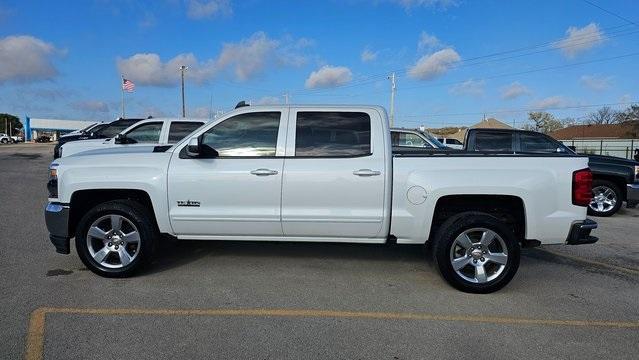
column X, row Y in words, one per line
column 580, row 233
column 56, row 216
column 632, row 194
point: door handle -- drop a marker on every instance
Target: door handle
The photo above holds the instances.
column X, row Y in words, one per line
column 264, row 172
column 366, row 172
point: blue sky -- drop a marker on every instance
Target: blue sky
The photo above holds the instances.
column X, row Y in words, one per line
column 64, row 59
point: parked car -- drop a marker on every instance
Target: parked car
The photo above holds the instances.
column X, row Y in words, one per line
column 153, row 131
column 4, row 138
column 83, row 130
column 615, row 179
column 451, row 143
column 414, row 138
column 43, row 139
column 99, row 131
column 16, row 139
column 323, row 174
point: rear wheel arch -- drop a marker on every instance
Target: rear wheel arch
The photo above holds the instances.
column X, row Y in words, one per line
column 617, row 180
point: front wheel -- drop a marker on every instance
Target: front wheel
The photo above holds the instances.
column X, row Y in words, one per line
column 475, row 252
column 116, row 238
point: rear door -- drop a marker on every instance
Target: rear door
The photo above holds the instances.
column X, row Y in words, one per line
column 334, row 174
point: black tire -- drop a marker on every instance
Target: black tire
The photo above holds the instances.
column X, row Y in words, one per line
column 137, row 215
column 618, row 195
column 456, row 225
column 4, row 141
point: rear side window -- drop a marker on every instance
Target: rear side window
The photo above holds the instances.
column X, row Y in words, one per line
column 453, row 142
column 179, row 129
column 537, row 143
column 332, row 134
column 408, row 140
column 494, row 141
column 146, row 133
column 245, row 135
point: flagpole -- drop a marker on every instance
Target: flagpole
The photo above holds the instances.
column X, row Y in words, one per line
column 122, row 89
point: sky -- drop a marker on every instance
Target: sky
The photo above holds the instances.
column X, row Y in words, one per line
column 455, row 61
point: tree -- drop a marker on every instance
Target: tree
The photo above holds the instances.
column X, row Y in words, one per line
column 630, row 114
column 605, row 115
column 543, row 122
column 8, row 121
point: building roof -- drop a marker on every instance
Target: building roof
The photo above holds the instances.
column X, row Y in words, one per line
column 627, row 130
column 490, row 123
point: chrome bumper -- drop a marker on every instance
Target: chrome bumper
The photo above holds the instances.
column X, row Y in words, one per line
column 56, row 217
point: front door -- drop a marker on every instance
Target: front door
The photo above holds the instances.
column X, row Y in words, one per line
column 238, row 192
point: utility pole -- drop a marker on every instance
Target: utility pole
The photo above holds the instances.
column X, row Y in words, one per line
column 286, row 98
column 392, row 102
column 182, row 69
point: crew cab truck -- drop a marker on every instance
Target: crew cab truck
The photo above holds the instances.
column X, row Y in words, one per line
column 152, row 131
column 320, row 174
column 615, row 179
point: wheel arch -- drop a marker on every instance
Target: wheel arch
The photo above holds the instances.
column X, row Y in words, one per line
column 617, row 180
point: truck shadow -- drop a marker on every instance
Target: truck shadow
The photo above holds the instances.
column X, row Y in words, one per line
column 180, row 253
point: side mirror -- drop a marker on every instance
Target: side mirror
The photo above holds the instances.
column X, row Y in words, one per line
column 193, row 148
column 120, row 139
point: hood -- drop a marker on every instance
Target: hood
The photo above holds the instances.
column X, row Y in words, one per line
column 124, row 149
column 612, row 160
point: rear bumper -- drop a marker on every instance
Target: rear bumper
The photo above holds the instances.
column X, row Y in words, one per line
column 632, row 194
column 56, row 217
column 580, row 233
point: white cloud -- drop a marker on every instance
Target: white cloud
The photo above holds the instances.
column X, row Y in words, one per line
column 578, row 40
column 428, row 42
column 245, row 59
column 201, row 9
column 368, row 55
column 550, row 102
column 269, row 100
column 26, row 58
column 431, row 66
column 596, row 82
column 513, row 91
column 626, row 98
column 469, row 87
column 442, row 4
column 329, row 76
column 91, row 106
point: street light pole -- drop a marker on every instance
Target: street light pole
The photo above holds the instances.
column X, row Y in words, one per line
column 182, row 69
column 392, row 102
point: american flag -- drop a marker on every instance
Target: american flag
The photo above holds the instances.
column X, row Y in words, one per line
column 127, row 85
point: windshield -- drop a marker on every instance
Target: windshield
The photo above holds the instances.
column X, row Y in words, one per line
column 433, row 140
column 88, row 127
column 114, row 128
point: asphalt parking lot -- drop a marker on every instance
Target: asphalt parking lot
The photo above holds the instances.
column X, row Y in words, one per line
column 231, row 300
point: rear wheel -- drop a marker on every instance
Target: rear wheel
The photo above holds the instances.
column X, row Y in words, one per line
column 606, row 198
column 475, row 252
column 116, row 238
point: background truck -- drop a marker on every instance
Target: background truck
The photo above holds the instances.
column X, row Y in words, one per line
column 152, row 131
column 321, row 174
column 615, row 179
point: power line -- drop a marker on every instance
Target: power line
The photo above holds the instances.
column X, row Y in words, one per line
column 610, row 12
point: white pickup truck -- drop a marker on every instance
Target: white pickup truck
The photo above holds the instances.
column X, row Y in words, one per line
column 322, row 174
column 152, row 131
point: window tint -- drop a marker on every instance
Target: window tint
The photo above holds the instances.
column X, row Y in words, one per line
column 253, row 134
column 179, row 129
column 408, row 139
column 325, row 134
column 493, row 141
column 115, row 127
column 454, row 142
column 537, row 143
column 146, row 133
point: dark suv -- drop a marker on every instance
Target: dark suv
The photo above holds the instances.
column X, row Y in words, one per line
column 100, row 131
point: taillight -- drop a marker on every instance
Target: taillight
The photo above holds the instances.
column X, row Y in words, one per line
column 582, row 187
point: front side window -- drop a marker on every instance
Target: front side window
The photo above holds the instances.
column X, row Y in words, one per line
column 537, row 143
column 332, row 134
column 408, row 139
column 494, row 141
column 180, row 129
column 146, row 133
column 251, row 134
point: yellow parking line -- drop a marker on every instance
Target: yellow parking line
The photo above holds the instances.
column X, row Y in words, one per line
column 626, row 270
column 35, row 334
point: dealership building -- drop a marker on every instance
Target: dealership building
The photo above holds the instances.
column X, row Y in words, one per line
column 34, row 127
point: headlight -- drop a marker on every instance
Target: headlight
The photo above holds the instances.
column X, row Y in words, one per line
column 52, row 184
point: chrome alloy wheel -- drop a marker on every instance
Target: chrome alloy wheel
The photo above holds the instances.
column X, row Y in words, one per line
column 603, row 199
column 478, row 255
column 113, row 241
